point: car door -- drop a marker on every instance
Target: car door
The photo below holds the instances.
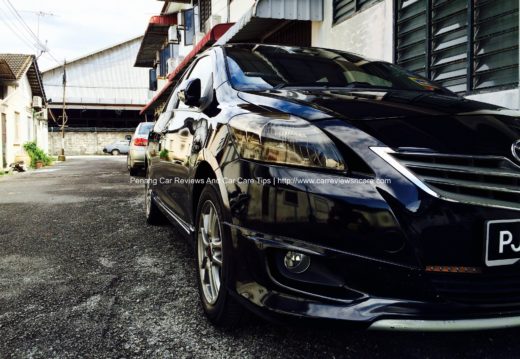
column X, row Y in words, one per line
column 185, row 142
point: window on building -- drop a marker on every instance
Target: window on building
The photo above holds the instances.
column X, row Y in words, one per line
column 163, row 61
column 204, row 13
column 464, row 45
column 152, row 80
column 3, row 92
column 189, row 26
column 343, row 9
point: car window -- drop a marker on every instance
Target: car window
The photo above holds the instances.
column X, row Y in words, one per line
column 145, row 128
column 265, row 67
column 202, row 70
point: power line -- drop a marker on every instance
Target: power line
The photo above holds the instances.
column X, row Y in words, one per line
column 39, row 45
column 24, row 24
column 15, row 31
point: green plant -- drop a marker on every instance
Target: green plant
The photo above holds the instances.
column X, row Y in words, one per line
column 163, row 154
column 36, row 154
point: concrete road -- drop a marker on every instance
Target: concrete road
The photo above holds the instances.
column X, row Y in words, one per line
column 82, row 275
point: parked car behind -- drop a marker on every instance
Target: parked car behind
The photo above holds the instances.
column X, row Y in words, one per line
column 340, row 188
column 136, row 156
column 118, row 147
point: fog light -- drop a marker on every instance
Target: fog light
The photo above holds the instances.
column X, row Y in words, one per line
column 296, row 262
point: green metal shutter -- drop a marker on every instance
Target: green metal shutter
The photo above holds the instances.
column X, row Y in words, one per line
column 449, row 44
column 343, row 9
column 412, row 35
column 362, row 4
column 496, row 44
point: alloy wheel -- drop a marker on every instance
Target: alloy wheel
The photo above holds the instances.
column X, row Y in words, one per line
column 209, row 250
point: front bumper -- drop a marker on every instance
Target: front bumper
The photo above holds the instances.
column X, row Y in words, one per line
column 371, row 252
column 260, row 289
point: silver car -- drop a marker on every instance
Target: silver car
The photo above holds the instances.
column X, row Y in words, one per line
column 136, row 156
column 117, row 147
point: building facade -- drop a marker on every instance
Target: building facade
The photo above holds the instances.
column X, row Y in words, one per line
column 104, row 93
column 22, row 108
column 469, row 46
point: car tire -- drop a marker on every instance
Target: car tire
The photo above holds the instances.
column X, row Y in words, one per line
column 215, row 262
column 115, row 152
column 133, row 171
column 154, row 216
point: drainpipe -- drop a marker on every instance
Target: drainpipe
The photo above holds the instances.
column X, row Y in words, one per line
column 228, row 11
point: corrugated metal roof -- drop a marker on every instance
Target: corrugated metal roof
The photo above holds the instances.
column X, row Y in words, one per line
column 266, row 15
column 305, row 10
column 154, row 37
column 105, row 77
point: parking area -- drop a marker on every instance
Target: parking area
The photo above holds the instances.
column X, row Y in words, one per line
column 82, row 275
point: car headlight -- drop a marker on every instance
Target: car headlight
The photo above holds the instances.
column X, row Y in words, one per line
column 284, row 140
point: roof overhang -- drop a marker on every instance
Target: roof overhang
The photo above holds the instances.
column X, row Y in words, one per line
column 155, row 35
column 267, row 15
column 209, row 39
column 6, row 74
column 174, row 6
column 35, row 80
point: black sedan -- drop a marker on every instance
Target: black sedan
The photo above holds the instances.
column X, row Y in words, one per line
column 318, row 184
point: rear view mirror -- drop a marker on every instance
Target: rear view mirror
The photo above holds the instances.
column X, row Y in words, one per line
column 128, row 137
column 191, row 93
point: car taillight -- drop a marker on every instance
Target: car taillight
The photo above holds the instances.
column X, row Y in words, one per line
column 140, row 142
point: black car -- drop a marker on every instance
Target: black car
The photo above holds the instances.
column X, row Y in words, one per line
column 318, row 184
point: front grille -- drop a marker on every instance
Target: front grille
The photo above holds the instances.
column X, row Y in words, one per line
column 486, row 180
column 478, row 288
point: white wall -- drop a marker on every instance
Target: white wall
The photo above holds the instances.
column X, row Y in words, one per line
column 368, row 33
column 239, row 8
column 219, row 7
column 509, row 98
column 23, row 127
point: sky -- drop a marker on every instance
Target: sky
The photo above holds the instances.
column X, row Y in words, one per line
column 72, row 28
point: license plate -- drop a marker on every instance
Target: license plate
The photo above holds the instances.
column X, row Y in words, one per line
column 503, row 242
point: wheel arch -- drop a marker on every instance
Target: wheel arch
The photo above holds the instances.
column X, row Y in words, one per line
column 204, row 171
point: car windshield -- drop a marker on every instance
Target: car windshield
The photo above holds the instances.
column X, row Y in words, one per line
column 145, row 128
column 264, row 67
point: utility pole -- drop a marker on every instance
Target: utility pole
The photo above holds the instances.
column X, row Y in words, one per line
column 61, row 157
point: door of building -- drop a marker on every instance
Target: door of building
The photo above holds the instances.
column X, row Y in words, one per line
column 4, row 140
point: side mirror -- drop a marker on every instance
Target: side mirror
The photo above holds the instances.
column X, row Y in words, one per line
column 191, row 93
column 128, row 137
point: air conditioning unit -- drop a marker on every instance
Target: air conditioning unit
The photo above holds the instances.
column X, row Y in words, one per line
column 174, row 35
column 37, row 102
column 212, row 21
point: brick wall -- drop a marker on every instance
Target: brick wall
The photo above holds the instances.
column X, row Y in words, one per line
column 84, row 142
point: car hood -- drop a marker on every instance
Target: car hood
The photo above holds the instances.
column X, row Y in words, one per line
column 405, row 119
